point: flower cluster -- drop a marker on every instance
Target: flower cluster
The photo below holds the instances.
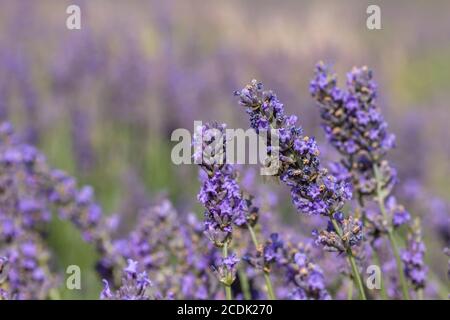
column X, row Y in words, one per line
column 160, row 237
column 219, row 194
column 352, row 122
column 179, row 252
column 78, row 206
column 398, row 212
column 267, row 254
column 26, row 269
column 226, row 269
column 29, row 190
column 306, row 276
column 24, row 214
column 351, row 235
column 413, row 260
column 135, row 285
column 314, row 191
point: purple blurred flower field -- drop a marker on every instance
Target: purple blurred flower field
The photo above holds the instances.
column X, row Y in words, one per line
column 86, row 176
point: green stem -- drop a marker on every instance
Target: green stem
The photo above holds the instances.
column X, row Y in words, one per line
column 398, row 261
column 351, row 259
column 243, row 279
column 358, row 277
column 253, row 236
column 420, row 294
column 54, row 294
column 391, row 235
column 350, row 291
column 227, row 288
column 270, row 291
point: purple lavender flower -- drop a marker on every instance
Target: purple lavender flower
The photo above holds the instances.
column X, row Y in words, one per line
column 413, row 259
column 306, row 276
column 31, row 190
column 314, row 191
column 226, row 269
column 135, row 285
column 364, row 130
column 220, row 194
column 24, row 214
column 272, row 248
column 171, row 248
column 24, row 269
column 351, row 235
column 355, row 127
column 267, row 255
column 399, row 214
column 353, row 123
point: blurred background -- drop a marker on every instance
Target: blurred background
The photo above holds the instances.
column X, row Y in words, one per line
column 102, row 102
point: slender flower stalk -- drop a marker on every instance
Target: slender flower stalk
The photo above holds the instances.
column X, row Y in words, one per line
column 243, row 280
column 266, row 272
column 391, row 235
column 228, row 293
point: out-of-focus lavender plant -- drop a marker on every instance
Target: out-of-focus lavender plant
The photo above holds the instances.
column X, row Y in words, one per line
column 30, row 189
column 413, row 259
column 27, row 275
column 171, row 249
column 447, row 253
column 18, row 78
column 24, row 213
column 313, row 190
column 74, row 68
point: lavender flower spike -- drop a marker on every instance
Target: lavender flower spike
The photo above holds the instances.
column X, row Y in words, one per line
column 226, row 269
column 313, row 190
column 135, row 285
column 354, row 125
column 220, row 195
column 413, row 259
